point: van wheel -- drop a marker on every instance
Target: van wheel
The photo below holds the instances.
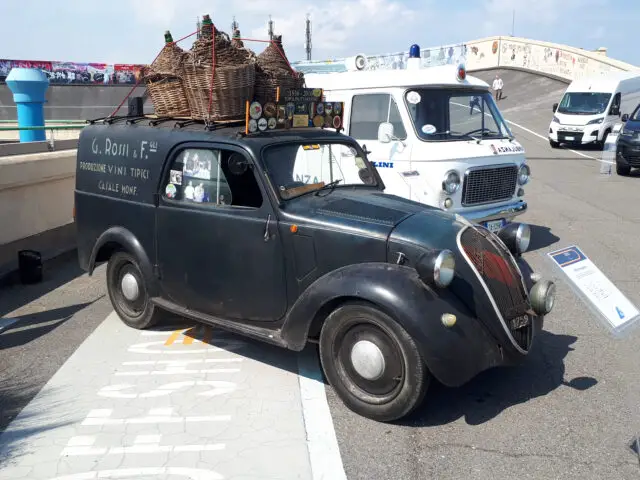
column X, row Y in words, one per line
column 128, row 293
column 372, row 363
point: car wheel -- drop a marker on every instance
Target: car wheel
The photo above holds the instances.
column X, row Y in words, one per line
column 622, row 170
column 128, row 293
column 554, row 144
column 372, row 362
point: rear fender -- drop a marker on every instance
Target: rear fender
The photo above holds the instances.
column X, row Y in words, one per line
column 126, row 241
column 452, row 354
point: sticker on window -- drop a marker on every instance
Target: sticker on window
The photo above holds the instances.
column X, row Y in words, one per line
column 413, row 97
column 176, row 177
column 428, row 129
column 170, row 190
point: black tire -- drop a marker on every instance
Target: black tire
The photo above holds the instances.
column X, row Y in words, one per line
column 138, row 314
column 405, row 379
column 622, row 170
column 554, row 144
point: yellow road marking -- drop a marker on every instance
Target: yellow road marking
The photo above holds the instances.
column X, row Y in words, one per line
column 173, row 337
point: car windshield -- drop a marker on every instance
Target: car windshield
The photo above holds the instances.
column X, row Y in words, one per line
column 584, row 103
column 297, row 168
column 635, row 116
column 445, row 115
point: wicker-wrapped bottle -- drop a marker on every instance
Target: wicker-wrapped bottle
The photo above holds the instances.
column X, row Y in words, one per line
column 163, row 79
column 232, row 72
column 272, row 71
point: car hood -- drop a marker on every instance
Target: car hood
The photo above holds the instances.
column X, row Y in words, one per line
column 374, row 213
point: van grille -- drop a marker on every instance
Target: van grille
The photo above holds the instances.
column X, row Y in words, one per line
column 486, row 185
column 491, row 260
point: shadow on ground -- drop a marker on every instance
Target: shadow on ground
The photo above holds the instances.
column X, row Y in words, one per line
column 56, row 273
column 541, row 237
column 496, row 390
column 14, row 440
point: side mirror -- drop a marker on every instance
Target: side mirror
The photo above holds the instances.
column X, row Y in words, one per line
column 625, row 117
column 385, row 132
column 555, row 107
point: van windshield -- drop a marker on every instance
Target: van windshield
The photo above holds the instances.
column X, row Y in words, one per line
column 299, row 168
column 454, row 114
column 584, row 103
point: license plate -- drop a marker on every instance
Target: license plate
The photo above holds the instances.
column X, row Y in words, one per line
column 494, row 225
column 569, row 138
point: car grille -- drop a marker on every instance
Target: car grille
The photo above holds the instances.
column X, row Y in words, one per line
column 486, row 185
column 577, row 136
column 491, row 260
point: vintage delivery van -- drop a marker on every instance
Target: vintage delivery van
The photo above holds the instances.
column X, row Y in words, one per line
column 435, row 135
column 214, row 225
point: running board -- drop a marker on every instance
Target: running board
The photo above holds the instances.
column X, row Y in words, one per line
column 259, row 333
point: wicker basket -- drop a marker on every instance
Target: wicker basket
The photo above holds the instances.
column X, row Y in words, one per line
column 233, row 83
column 232, row 87
column 168, row 95
column 273, row 71
column 169, row 61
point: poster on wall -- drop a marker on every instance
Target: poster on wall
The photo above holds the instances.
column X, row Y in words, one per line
column 72, row 73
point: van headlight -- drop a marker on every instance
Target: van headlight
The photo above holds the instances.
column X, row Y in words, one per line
column 516, row 237
column 451, row 182
column 523, row 174
column 437, row 268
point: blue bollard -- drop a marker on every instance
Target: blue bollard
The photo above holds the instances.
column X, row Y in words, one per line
column 29, row 86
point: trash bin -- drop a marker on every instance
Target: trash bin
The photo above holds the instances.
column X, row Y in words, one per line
column 30, row 266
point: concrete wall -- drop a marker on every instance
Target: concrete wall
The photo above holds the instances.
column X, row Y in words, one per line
column 75, row 102
column 36, row 204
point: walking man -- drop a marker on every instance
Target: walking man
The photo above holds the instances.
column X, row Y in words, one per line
column 497, row 87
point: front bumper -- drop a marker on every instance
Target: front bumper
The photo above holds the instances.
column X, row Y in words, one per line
column 628, row 152
column 586, row 135
column 507, row 212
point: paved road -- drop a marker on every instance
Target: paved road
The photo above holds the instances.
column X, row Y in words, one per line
column 569, row 412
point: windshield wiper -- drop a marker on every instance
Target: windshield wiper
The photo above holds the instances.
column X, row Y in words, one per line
column 330, row 186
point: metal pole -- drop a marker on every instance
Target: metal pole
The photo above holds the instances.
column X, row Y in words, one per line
column 513, row 22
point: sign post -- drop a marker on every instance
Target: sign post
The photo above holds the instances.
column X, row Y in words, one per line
column 609, row 151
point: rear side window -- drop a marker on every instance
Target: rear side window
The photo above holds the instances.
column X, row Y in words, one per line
column 368, row 111
column 212, row 177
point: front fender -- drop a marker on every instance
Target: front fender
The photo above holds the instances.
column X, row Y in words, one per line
column 453, row 355
column 128, row 242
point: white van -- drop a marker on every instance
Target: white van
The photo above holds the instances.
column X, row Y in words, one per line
column 590, row 107
column 436, row 136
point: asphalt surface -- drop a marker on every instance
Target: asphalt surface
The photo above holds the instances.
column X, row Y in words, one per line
column 570, row 411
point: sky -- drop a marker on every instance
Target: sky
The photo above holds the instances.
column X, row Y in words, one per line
column 132, row 31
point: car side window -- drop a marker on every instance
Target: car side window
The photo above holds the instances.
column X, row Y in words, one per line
column 212, row 177
column 368, row 111
column 615, row 105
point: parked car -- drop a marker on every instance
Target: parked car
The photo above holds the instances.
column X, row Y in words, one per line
column 395, row 292
column 628, row 143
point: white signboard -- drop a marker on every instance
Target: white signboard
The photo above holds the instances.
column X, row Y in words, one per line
column 605, row 298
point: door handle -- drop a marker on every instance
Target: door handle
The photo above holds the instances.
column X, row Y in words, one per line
column 266, row 229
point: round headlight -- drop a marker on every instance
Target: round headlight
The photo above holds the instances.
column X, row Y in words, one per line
column 437, row 269
column 543, row 297
column 523, row 174
column 444, row 268
column 516, row 236
column 451, row 182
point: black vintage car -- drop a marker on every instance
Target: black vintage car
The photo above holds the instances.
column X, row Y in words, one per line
column 628, row 144
column 288, row 237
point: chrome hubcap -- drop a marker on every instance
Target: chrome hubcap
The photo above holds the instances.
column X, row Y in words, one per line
column 367, row 360
column 129, row 286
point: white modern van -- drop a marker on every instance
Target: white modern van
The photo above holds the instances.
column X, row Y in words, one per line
column 436, row 136
column 591, row 106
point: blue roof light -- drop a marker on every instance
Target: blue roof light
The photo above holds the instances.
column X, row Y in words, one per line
column 414, row 51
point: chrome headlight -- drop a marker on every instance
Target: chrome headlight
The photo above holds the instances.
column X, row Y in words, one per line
column 556, row 119
column 543, row 297
column 516, row 236
column 451, row 182
column 523, row 174
column 437, row 268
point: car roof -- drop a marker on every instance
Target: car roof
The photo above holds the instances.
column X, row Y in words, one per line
column 230, row 132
